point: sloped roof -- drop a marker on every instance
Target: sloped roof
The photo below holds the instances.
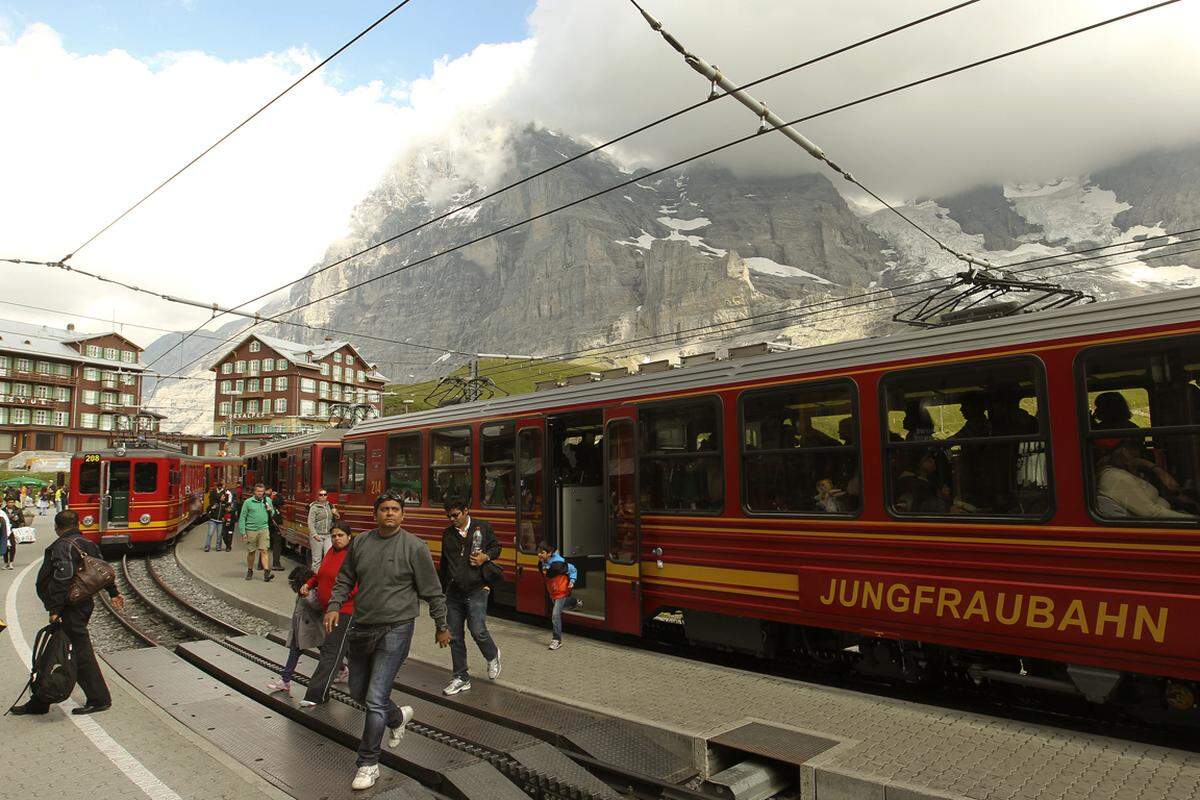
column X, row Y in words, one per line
column 296, row 352
column 42, row 340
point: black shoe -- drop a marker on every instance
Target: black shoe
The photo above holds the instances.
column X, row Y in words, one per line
column 277, row 568
column 28, row 709
column 91, row 708
column 268, row 576
column 249, row 574
column 206, row 549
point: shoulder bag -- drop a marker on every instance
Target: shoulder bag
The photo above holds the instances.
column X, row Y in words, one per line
column 92, row 575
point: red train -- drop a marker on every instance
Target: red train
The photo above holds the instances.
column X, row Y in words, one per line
column 142, row 498
column 1008, row 501
column 297, row 468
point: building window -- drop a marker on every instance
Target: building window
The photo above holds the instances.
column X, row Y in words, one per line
column 268, row 364
column 252, row 385
column 239, row 407
column 239, row 386
column 239, row 366
column 323, row 389
column 44, row 367
column 129, row 356
column 967, row 440
column 227, row 368
column 41, row 392
column 308, row 408
column 354, row 467
column 799, row 450
column 93, row 351
column 325, row 369
column 362, row 376
column 64, row 370
column 108, row 379
column 337, row 358
column 41, row 416
column 5, row 363
column 88, row 421
column 1143, row 431
column 323, row 409
column 91, row 374
column 24, row 365
column 281, row 384
column 21, row 390
column 308, row 385
column 224, row 408
column 62, row 394
column 254, row 366
column 680, row 457
column 128, row 379
column 126, row 399
column 106, row 422
column 349, row 361
column 497, row 444
column 61, row 418
column 281, row 405
column 3, row 415
column 266, row 384
column 255, row 346
column 90, row 397
column 336, row 392
column 281, row 364
column 450, row 464
column 112, row 354
column 19, row 416
column 226, row 386
column 252, row 408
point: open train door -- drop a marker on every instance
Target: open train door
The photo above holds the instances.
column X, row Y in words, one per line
column 531, row 514
column 623, row 579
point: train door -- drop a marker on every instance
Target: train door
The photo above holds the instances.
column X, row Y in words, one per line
column 622, row 526
column 576, row 462
column 531, row 514
column 114, row 504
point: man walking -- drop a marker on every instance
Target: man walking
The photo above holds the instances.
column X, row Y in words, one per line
column 392, row 569
column 53, row 581
column 214, row 517
column 254, row 526
column 320, row 520
column 467, row 545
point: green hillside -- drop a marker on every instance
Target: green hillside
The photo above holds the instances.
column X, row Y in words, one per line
column 513, row 377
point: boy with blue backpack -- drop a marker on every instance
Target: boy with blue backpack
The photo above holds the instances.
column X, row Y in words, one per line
column 560, row 580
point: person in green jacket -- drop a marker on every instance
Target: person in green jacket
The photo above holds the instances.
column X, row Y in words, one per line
column 254, row 526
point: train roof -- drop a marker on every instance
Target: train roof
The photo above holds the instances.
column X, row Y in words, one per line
column 153, row 452
column 1158, row 309
column 326, row 435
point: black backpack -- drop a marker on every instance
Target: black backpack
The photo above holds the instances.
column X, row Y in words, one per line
column 52, row 674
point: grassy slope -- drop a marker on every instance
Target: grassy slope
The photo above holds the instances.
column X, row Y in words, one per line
column 514, row 377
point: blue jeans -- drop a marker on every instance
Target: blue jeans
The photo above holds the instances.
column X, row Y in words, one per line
column 561, row 603
column 371, row 679
column 289, row 666
column 214, row 529
column 470, row 609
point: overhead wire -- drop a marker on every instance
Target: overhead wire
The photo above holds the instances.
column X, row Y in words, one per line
column 236, row 128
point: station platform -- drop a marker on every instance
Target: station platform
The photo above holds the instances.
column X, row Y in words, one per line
column 133, row 750
column 863, row 747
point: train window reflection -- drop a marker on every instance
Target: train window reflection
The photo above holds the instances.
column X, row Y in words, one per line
column 404, row 467
column 1143, row 430
column 450, row 464
column 145, row 477
column 967, row 439
column 498, row 442
column 800, row 451
column 681, row 457
column 89, row 478
column 354, row 467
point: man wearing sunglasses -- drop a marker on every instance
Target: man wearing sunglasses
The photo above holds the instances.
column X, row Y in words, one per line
column 468, row 547
column 321, row 516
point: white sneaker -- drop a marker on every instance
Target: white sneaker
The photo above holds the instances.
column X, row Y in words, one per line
column 555, row 644
column 396, row 734
column 457, row 685
column 307, row 704
column 365, row 777
column 343, row 676
column 494, row 666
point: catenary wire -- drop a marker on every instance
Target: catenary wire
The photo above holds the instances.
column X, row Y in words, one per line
column 236, row 128
column 592, row 150
column 708, row 152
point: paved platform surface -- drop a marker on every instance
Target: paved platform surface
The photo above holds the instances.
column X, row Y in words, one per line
column 892, row 749
column 48, row 756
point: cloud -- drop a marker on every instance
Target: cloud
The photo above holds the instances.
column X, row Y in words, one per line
column 89, row 134
column 599, row 70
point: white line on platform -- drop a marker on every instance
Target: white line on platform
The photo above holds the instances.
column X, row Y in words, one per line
column 133, row 769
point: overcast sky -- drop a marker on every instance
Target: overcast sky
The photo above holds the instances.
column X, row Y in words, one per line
column 103, row 103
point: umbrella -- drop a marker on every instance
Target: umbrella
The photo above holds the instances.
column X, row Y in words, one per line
column 22, row 481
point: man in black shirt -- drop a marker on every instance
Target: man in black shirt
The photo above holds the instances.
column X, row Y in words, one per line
column 467, row 545
column 53, row 581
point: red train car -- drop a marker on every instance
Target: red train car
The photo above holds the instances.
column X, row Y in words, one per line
column 297, row 468
column 141, row 498
column 1005, row 501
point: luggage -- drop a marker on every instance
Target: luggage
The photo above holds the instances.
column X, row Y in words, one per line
column 52, row 667
column 92, row 575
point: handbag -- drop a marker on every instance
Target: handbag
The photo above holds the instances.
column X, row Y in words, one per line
column 92, row 575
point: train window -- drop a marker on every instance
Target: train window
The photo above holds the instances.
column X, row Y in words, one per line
column 800, row 450
column 450, row 464
column 1143, row 430
column 354, row 467
column 498, row 444
column 680, row 457
column 531, row 526
column 404, row 467
column 331, row 462
column 145, row 477
column 967, row 440
column 89, row 478
column 305, row 476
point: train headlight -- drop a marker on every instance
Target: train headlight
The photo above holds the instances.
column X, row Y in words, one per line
column 144, row 519
column 88, row 521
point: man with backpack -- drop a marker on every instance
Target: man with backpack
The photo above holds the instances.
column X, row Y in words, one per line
column 59, row 566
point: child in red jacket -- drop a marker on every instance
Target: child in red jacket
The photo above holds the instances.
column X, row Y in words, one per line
column 560, row 581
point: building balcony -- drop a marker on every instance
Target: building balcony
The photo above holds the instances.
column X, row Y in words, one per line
column 33, row 376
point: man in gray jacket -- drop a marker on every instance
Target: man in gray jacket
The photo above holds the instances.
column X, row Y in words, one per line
column 393, row 571
column 321, row 515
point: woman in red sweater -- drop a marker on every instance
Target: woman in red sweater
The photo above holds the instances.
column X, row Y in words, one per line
column 333, row 650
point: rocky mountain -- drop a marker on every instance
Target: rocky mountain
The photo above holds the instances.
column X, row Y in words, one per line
column 654, row 261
